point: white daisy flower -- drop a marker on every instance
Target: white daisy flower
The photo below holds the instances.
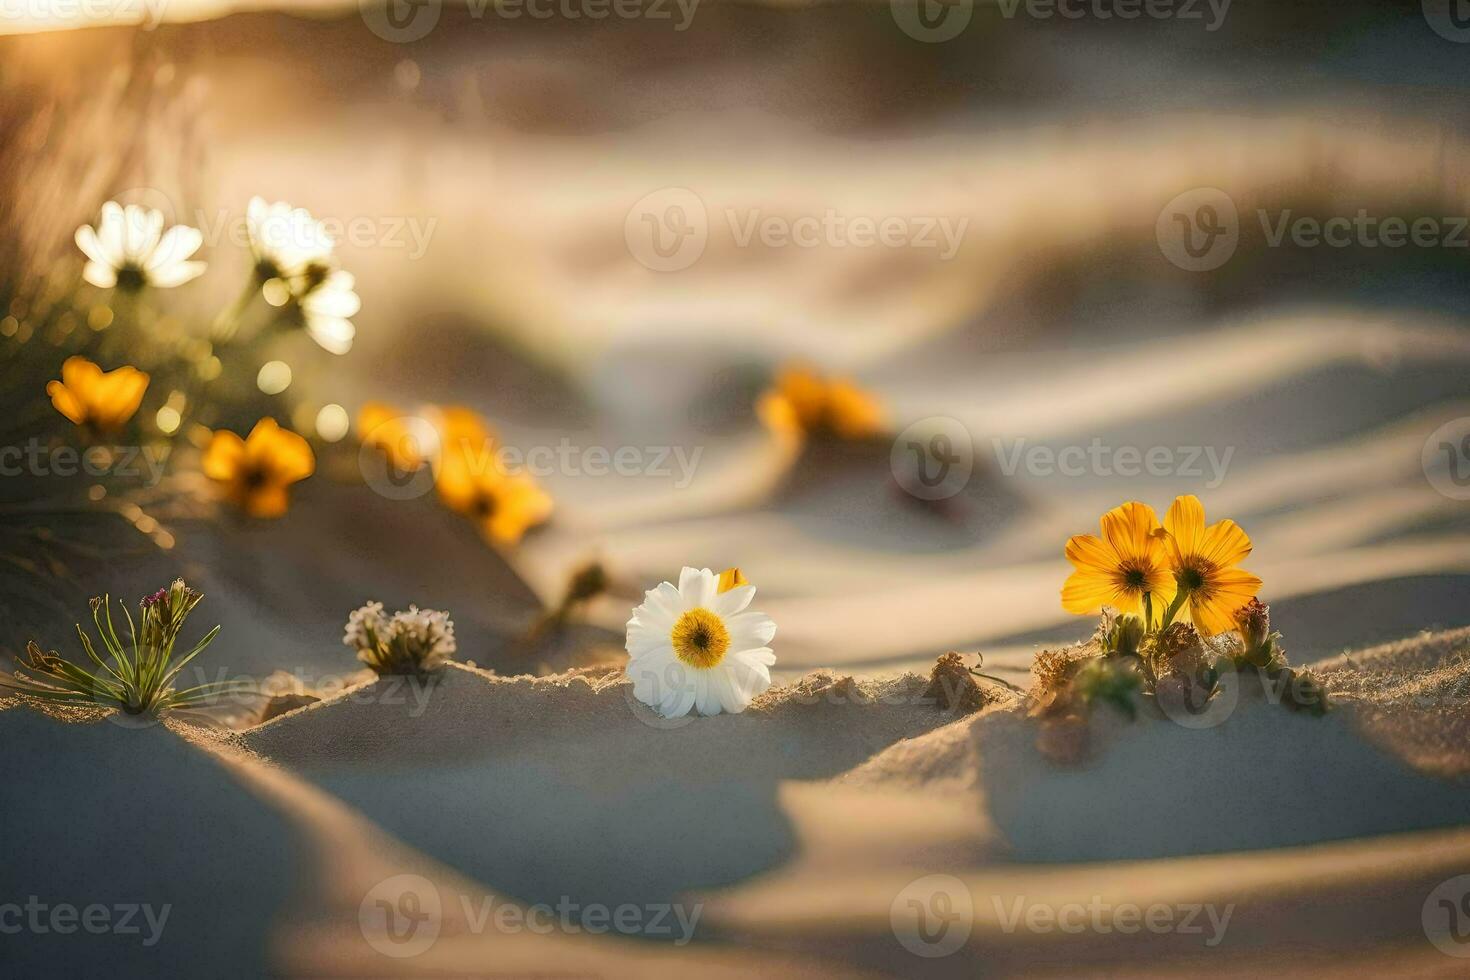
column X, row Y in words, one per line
column 129, row 249
column 696, row 647
column 326, row 308
column 285, row 241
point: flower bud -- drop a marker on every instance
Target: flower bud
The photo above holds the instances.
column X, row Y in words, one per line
column 1254, row 621
column 1125, row 635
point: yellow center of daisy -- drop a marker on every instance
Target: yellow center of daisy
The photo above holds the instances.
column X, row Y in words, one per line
column 700, row 638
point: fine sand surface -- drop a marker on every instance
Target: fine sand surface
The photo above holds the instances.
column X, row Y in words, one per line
column 798, row 830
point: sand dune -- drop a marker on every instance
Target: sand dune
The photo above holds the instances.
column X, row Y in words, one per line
column 805, row 831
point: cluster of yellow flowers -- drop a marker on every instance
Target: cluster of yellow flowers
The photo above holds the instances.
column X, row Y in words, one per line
column 461, row 450
column 256, row 471
column 253, row 473
column 1141, row 567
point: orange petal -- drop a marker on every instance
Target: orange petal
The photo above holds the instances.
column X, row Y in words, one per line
column 1231, row 588
column 66, row 402
column 267, row 501
column 1225, row 544
column 1129, row 528
column 1087, row 551
column 1185, row 523
column 286, row 455
column 79, row 374
column 731, row 578
column 1086, row 592
column 223, row 457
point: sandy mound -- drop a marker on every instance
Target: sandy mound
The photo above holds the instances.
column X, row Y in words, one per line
column 965, row 801
column 566, row 786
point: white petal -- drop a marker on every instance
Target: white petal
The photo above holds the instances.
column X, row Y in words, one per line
column 177, row 245
column 91, row 247
column 645, row 635
column 750, row 629
column 651, row 676
column 677, row 696
column 100, row 274
column 697, row 587
column 748, row 677
column 333, row 334
column 176, row 274
column 706, row 697
column 112, row 233
column 141, row 230
column 333, row 297
column 730, row 697
column 727, row 604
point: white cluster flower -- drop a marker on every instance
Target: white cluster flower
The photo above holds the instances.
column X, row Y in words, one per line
column 411, row 641
column 428, row 630
column 364, row 625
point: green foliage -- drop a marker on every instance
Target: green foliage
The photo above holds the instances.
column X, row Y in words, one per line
column 136, row 677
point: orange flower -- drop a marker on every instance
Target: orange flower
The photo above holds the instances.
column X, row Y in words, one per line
column 254, row 472
column 103, row 401
column 1203, row 560
column 1129, row 561
column 804, row 402
column 504, row 505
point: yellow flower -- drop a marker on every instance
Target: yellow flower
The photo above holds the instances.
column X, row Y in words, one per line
column 406, row 440
column 1118, row 569
column 102, row 400
column 504, row 505
column 448, row 436
column 731, row 578
column 254, row 472
column 1203, row 560
column 804, row 402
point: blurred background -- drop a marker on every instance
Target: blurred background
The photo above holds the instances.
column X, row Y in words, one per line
column 1073, row 259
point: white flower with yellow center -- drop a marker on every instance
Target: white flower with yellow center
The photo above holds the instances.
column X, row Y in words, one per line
column 129, row 249
column 285, row 241
column 696, row 647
